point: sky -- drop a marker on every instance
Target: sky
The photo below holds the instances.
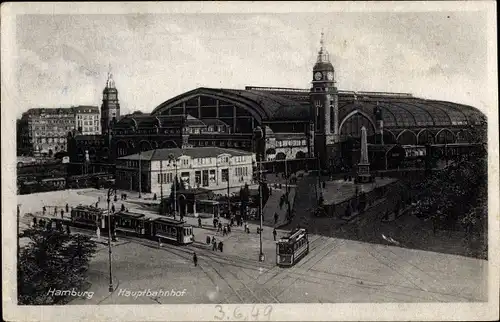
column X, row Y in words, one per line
column 63, row 60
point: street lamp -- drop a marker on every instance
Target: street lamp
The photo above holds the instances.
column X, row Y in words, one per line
column 259, row 134
column 286, row 170
column 171, row 159
column 111, row 191
column 18, row 223
column 140, row 173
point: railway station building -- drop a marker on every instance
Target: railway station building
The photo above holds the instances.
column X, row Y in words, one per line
column 321, row 122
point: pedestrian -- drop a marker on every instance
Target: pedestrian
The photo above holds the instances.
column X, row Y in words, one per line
column 195, row 259
column 221, row 246
column 275, row 218
column 67, row 208
column 215, row 222
column 55, row 210
column 199, row 222
column 62, row 213
column 228, row 229
column 274, row 234
column 214, row 244
column 34, row 221
column 219, row 228
column 224, row 231
column 208, row 240
column 245, row 226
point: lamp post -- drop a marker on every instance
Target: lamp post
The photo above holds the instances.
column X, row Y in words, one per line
column 171, row 159
column 111, row 191
column 319, row 178
column 140, row 173
column 18, row 223
column 261, row 255
column 161, row 187
column 259, row 134
column 228, row 189
column 286, row 170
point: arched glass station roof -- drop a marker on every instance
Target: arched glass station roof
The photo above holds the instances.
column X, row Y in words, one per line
column 398, row 110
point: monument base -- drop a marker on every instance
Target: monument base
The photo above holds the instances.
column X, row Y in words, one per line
column 363, row 173
column 364, row 178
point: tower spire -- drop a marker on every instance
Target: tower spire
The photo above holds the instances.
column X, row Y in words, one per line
column 322, row 40
column 323, row 56
column 109, row 82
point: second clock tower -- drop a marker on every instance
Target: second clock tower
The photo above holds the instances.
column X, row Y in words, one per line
column 324, row 107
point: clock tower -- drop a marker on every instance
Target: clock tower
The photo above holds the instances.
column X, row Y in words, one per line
column 110, row 108
column 324, row 107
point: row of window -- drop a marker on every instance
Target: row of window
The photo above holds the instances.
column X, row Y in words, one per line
column 222, row 143
column 241, row 171
column 56, row 148
column 290, row 143
column 51, row 140
column 53, row 133
column 51, row 128
column 90, row 129
column 165, row 178
column 53, row 121
column 95, row 123
column 167, row 230
column 88, row 117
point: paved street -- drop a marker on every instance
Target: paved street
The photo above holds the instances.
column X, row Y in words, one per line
column 347, row 263
column 336, row 270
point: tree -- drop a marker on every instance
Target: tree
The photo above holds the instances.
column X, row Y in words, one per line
column 442, row 194
column 52, row 260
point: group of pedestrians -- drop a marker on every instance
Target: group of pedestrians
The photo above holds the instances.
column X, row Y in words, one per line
column 215, row 245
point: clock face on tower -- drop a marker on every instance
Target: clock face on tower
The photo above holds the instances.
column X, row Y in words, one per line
column 329, row 76
column 318, row 76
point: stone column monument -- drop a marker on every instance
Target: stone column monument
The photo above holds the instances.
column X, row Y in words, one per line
column 363, row 170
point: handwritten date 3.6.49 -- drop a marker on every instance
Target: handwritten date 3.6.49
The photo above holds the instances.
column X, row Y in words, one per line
column 238, row 313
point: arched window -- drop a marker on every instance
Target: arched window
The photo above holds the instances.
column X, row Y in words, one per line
column 300, row 155
column 352, row 125
column 407, row 138
column 280, row 156
column 145, row 146
column 425, row 137
column 445, row 136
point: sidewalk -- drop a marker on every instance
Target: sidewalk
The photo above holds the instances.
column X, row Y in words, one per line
column 273, row 206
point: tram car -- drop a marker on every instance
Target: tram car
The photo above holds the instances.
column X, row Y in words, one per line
column 45, row 221
column 131, row 223
column 89, row 217
column 146, row 224
column 171, row 230
column 292, row 248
